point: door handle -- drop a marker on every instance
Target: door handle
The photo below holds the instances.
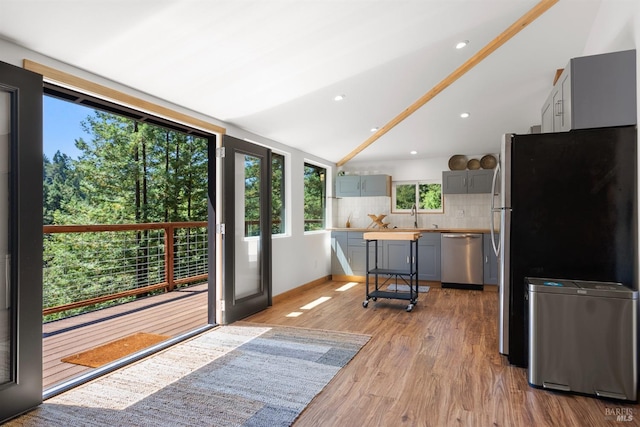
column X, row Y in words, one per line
column 7, row 280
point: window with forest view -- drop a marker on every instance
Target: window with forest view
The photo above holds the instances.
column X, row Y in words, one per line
column 426, row 197
column 314, row 197
column 278, row 194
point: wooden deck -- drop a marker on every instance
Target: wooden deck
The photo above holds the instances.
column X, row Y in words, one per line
column 171, row 314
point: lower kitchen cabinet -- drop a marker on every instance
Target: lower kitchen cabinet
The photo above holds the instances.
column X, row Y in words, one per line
column 490, row 261
column 340, row 253
column 396, row 256
column 429, row 257
column 349, row 253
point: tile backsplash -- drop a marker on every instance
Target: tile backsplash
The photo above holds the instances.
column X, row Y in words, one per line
column 460, row 211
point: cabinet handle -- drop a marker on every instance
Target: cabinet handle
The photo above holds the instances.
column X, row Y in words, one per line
column 464, row 182
column 559, row 107
column 486, row 259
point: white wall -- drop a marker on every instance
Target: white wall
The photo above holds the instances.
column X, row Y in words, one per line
column 617, row 27
column 297, row 258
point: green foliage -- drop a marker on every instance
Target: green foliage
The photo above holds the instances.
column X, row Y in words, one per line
column 405, row 196
column 127, row 172
column 430, row 196
column 314, row 197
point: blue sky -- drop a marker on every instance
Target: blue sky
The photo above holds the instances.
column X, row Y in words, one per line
column 61, row 126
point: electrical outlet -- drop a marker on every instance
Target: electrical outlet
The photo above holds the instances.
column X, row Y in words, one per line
column 460, row 213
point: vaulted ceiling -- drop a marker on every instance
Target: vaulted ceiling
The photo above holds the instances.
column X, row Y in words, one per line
column 273, row 67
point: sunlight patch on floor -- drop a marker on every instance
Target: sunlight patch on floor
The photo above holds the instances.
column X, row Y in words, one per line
column 315, row 303
column 347, row 286
column 294, row 314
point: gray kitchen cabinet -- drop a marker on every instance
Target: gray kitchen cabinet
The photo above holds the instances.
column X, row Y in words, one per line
column 363, row 185
column 348, row 253
column 357, row 254
column 348, row 186
column 467, row 181
column 593, row 91
column 429, row 257
column 396, row 256
column 490, row 261
column 339, row 253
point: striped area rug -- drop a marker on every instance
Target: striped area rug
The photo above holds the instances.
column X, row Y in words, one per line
column 231, row 376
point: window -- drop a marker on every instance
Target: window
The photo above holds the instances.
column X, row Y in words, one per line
column 278, row 194
column 426, row 196
column 314, row 197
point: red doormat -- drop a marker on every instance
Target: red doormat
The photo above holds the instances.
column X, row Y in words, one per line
column 115, row 350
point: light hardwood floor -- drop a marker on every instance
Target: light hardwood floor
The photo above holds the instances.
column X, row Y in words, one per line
column 436, row 366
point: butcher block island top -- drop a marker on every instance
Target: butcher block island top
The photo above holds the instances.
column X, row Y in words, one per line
column 392, row 235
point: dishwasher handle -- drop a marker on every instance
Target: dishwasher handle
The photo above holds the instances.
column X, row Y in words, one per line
column 462, row 236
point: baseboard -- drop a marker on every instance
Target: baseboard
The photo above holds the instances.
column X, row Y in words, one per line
column 300, row 289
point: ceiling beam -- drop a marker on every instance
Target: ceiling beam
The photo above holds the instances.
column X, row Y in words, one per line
column 493, row 45
column 70, row 81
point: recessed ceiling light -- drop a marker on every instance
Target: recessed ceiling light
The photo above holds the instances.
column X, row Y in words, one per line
column 413, row 152
column 339, row 97
column 462, row 44
column 374, row 129
column 464, row 115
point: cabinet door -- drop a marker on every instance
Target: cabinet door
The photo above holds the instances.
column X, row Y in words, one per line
column 479, row 181
column 348, row 186
column 454, row 182
column 563, row 108
column 375, row 185
column 339, row 253
column 429, row 257
column 490, row 262
column 357, row 254
column 396, row 255
column 547, row 115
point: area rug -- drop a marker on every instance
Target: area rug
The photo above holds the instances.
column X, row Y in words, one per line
column 115, row 350
column 247, row 375
column 405, row 288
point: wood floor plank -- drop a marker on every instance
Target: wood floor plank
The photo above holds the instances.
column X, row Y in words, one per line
column 436, row 366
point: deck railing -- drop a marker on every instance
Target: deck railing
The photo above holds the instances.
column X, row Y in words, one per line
column 90, row 265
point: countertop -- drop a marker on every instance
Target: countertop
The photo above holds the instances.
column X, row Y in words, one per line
column 421, row 230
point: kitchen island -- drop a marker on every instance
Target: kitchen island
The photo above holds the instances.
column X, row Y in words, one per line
column 409, row 275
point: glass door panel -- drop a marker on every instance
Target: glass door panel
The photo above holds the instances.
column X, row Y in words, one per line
column 20, row 240
column 247, row 232
column 5, row 282
column 246, row 246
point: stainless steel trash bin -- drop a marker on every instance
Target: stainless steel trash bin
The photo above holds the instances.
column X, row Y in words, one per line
column 583, row 337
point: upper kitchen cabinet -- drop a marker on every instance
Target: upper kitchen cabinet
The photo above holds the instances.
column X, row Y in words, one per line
column 467, row 181
column 593, row 91
column 363, row 185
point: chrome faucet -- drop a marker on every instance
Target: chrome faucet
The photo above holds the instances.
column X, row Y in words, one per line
column 415, row 215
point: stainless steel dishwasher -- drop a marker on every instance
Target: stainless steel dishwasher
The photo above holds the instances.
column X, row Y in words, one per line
column 461, row 261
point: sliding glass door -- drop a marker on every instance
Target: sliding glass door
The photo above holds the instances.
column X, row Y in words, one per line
column 20, row 240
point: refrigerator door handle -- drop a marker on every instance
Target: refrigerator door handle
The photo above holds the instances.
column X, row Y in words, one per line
column 496, row 247
column 7, row 281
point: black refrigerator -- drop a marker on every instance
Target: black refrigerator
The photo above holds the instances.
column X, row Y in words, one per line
column 568, row 209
